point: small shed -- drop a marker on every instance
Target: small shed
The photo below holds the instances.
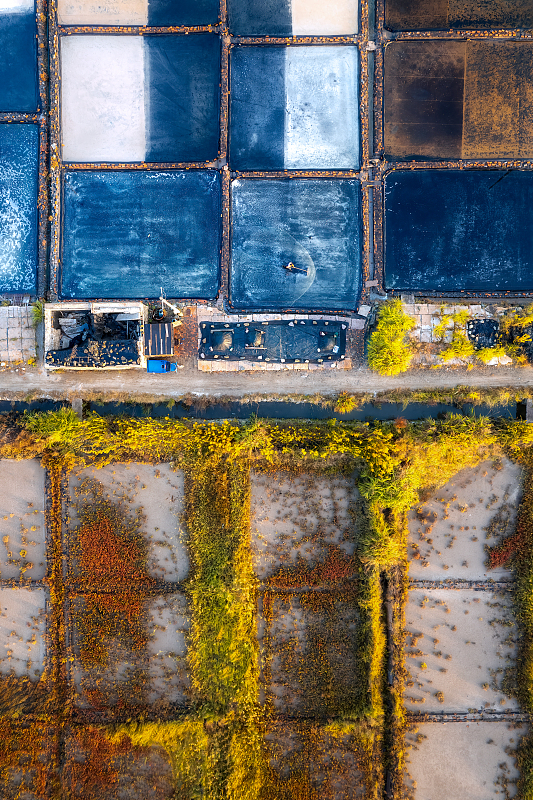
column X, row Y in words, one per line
column 158, row 339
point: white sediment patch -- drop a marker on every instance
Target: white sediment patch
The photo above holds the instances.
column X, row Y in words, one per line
column 319, row 18
column 459, row 644
column 321, row 119
column 167, row 649
column 94, row 12
column 22, row 530
column 456, row 760
column 102, row 98
column 22, row 632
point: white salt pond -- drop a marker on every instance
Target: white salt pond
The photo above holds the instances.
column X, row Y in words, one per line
column 94, row 12
column 448, row 533
column 22, row 522
column 458, row 646
column 460, row 760
column 22, row 632
column 102, row 98
column 298, row 517
column 158, row 491
column 316, row 18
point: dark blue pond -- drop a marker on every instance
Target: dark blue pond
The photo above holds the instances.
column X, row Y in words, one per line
column 447, row 231
column 259, row 17
column 19, row 159
column 280, row 410
column 314, row 224
column 183, row 12
column 18, row 61
column 294, row 108
column 127, row 234
column 183, row 74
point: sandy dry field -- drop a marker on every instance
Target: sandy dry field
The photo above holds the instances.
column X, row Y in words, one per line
column 457, row 642
column 331, row 764
column 158, row 492
column 22, row 546
column 307, row 655
column 158, row 673
column 448, row 534
column 460, row 760
column 299, row 517
column 22, row 632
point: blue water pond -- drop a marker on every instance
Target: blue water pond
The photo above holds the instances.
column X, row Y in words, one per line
column 312, row 224
column 447, row 231
column 127, row 234
column 19, row 160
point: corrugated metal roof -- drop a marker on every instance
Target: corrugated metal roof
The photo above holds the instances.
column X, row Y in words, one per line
column 158, row 339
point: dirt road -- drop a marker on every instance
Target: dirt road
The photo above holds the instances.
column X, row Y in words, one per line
column 38, row 382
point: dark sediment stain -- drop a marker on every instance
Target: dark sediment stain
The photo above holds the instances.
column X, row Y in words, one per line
column 498, row 119
column 417, row 15
column 490, row 13
column 420, row 15
column 447, row 231
column 424, row 83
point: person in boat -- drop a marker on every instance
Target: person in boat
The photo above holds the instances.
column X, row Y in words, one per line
column 290, row 267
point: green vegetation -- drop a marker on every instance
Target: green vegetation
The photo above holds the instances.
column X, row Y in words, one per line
column 37, row 313
column 486, row 354
column 388, row 352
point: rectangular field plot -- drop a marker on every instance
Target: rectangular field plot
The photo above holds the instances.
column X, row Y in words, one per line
column 451, row 229
column 22, row 632
column 140, row 98
column 459, row 644
column 313, row 224
column 126, row 234
column 138, row 12
column 458, row 99
column 419, row 15
column 299, row 518
column 449, row 533
column 128, row 650
column 167, row 648
column 151, row 494
column 294, row 108
column 308, row 653
column 22, row 524
column 18, row 59
column 97, row 769
column 27, row 751
column 19, row 158
column 457, row 760
column 306, row 756
column 293, row 17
